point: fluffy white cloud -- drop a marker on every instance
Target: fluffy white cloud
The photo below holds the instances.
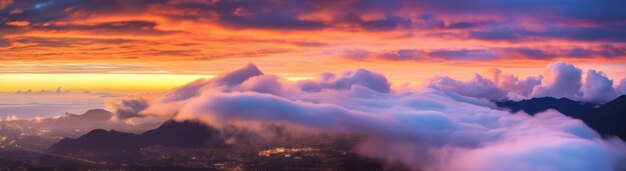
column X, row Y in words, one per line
column 559, row 80
column 622, row 87
column 517, row 88
column 374, row 81
column 479, row 87
column 438, row 128
column 598, row 88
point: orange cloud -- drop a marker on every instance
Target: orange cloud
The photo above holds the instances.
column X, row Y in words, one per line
column 299, row 39
column 18, row 23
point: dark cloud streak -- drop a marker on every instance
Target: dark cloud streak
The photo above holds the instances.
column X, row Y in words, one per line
column 489, row 54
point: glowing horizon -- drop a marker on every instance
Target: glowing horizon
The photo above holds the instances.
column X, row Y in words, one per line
column 434, row 85
column 176, row 39
column 403, row 73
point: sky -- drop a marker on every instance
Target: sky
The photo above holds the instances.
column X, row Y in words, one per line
column 144, row 46
column 418, row 78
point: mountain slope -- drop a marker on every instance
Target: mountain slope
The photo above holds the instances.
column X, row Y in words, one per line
column 608, row 119
column 535, row 105
column 190, row 134
column 100, row 140
column 93, row 114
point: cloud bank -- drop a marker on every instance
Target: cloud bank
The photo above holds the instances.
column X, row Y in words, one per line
column 443, row 127
column 559, row 80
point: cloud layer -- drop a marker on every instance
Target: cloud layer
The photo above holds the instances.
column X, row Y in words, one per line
column 559, row 80
column 439, row 128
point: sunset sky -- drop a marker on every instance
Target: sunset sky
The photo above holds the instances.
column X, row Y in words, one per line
column 145, row 45
column 435, row 85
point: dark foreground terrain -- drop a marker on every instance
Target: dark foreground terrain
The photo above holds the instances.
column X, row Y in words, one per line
column 191, row 145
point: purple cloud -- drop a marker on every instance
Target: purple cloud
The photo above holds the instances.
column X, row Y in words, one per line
column 415, row 128
column 598, row 88
column 560, row 80
column 362, row 77
column 479, row 87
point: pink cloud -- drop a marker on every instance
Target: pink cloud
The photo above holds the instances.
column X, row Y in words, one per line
column 435, row 128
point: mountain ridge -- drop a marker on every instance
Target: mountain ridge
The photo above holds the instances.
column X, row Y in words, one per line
column 608, row 119
column 188, row 134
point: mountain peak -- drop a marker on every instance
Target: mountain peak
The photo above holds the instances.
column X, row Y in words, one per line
column 188, row 133
column 92, row 114
column 535, row 105
column 238, row 76
column 607, row 119
column 621, row 98
column 95, row 111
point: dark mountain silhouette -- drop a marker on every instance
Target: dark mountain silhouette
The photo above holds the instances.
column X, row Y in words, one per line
column 189, row 134
column 101, row 140
column 75, row 125
column 93, row 115
column 608, row 119
column 535, row 105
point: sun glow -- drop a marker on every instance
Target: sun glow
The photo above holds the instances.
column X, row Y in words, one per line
column 138, row 82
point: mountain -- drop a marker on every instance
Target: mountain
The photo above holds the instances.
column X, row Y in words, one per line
column 188, row 134
column 75, row 125
column 608, row 119
column 101, row 140
column 535, row 105
column 92, row 115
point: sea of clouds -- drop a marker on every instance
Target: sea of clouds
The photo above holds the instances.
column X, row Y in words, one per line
column 448, row 125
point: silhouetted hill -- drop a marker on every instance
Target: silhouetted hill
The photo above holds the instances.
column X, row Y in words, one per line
column 608, row 119
column 75, row 125
column 190, row 134
column 93, row 114
column 535, row 105
column 182, row 134
column 100, row 140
